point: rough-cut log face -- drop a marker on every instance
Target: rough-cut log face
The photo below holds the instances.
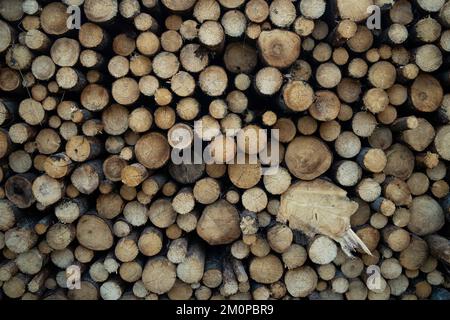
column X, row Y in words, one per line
column 245, row 175
column 177, row 5
column 317, row 207
column 355, row 10
column 54, row 18
column 240, row 57
column 152, row 150
column 298, row 95
column 5, row 36
column 279, row 48
column 400, row 161
column 427, row 216
column 426, row 93
column 224, row 149
column 159, row 275
column 219, row 223
column 18, row 191
column 442, row 141
column 307, row 158
column 94, row 233
column 300, row 282
column 100, row 10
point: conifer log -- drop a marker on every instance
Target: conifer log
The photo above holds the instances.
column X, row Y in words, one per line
column 155, row 145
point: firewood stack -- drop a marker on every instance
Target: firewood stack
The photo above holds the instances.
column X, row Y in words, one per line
column 356, row 206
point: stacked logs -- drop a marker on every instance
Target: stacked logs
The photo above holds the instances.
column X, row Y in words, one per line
column 89, row 189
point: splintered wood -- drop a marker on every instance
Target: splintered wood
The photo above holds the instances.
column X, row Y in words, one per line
column 224, row 149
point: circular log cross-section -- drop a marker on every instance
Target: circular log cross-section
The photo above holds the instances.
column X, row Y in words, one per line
column 279, row 48
column 307, row 158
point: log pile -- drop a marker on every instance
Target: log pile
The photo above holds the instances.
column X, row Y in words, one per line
column 356, row 203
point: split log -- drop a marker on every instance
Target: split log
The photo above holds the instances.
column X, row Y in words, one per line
column 89, row 170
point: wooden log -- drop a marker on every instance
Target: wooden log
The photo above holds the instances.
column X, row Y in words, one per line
column 257, row 11
column 9, row 80
column 83, row 255
column 7, row 35
column 18, row 57
column 126, row 248
column 206, row 10
column 86, row 178
column 373, row 160
column 295, row 256
column 57, row 112
column 161, row 213
column 94, row 233
column 214, row 229
column 239, row 57
column 70, row 79
column 150, row 241
column 230, row 285
column 294, row 89
column 191, row 269
column 439, row 247
column 322, row 250
column 418, row 183
column 415, row 254
column 47, row 141
column 69, row 210
column 441, row 139
column 8, row 111
column 399, row 168
column 426, row 93
column 265, row 270
column 307, row 158
column 308, row 224
column 277, row 182
column 134, row 213
column 425, row 221
column 206, row 190
column 21, row 238
column 100, row 12
column 397, row 238
column 279, row 48
column 177, row 250
column 134, row 174
column 58, row 165
column 300, row 282
column 125, row 91
column 16, row 286
column 280, row 238
column 152, row 271
column 184, row 201
column 94, row 97
column 178, row 6
column 59, row 235
column 248, row 223
column 245, row 175
column 347, row 173
column 282, row 13
column 8, row 269
column 18, row 189
column 212, row 276
column 157, row 144
column 140, row 65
